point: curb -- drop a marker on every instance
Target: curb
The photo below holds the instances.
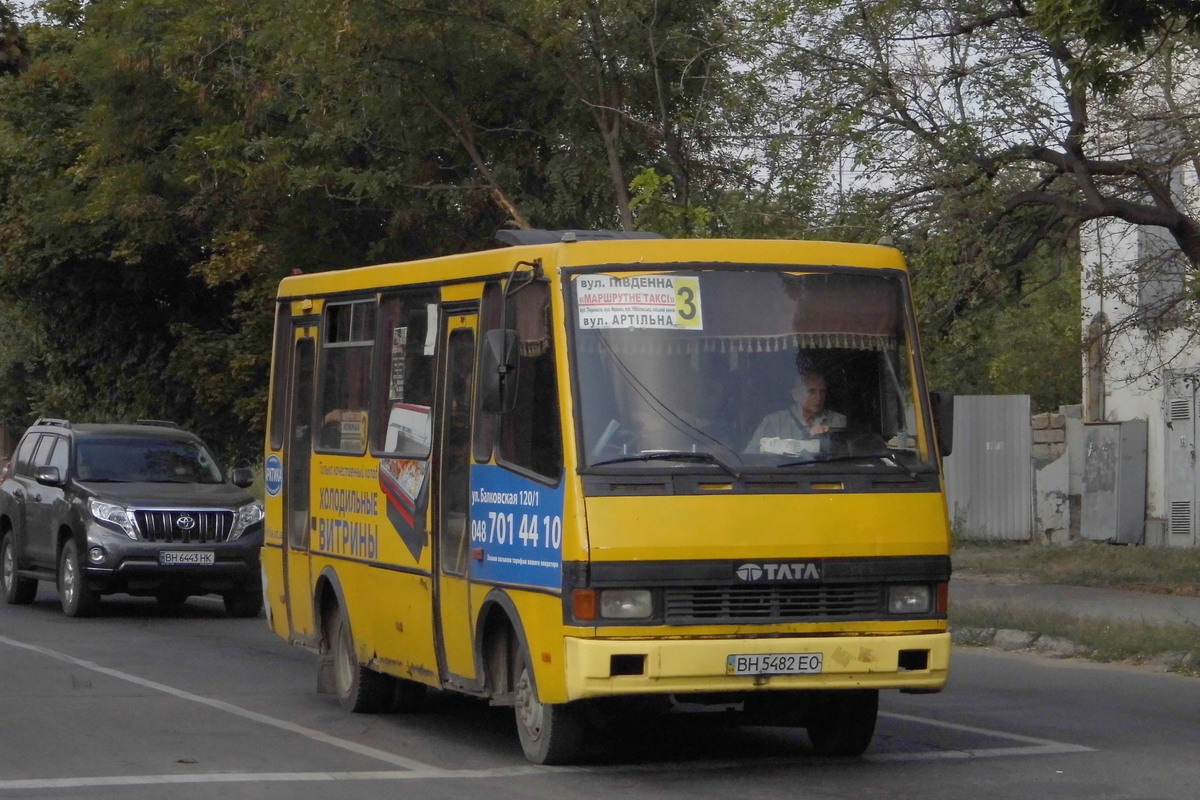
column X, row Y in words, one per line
column 1057, row 647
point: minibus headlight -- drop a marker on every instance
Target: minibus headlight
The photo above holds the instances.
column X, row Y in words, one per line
column 625, row 604
column 909, row 599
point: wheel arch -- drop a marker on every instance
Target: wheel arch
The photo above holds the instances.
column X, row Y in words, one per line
column 498, row 629
column 327, row 594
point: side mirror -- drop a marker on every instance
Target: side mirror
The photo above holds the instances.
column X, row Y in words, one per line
column 941, row 403
column 48, row 476
column 242, row 477
column 498, row 371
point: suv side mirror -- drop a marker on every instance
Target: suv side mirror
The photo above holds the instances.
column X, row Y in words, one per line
column 941, row 403
column 498, row 371
column 242, row 477
column 48, row 476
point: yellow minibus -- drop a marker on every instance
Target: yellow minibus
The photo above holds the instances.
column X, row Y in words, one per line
column 593, row 474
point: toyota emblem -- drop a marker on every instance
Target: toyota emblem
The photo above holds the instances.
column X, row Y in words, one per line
column 185, row 522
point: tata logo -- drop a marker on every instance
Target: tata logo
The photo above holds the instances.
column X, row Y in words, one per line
column 273, row 475
column 793, row 571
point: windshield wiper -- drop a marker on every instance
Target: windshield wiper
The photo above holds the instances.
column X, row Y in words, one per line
column 887, row 458
column 671, row 455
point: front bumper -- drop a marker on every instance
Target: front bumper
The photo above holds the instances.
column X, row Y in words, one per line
column 680, row 666
column 133, row 567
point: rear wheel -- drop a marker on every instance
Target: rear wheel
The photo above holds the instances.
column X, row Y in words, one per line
column 18, row 591
column 243, row 604
column 361, row 690
column 76, row 598
column 844, row 723
column 550, row 733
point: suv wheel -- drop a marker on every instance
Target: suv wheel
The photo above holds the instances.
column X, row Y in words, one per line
column 18, row 591
column 77, row 600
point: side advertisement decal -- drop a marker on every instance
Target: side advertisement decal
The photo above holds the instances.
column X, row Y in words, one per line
column 516, row 529
column 404, row 483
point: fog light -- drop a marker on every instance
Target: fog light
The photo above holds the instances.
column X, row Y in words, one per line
column 907, row 599
column 96, row 555
column 625, row 604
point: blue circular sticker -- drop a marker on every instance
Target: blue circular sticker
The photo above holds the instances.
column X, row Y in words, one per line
column 273, row 475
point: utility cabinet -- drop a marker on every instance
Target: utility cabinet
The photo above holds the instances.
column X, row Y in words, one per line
column 1114, row 481
column 1179, row 446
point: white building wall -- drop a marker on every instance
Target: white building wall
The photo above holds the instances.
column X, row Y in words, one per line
column 1137, row 360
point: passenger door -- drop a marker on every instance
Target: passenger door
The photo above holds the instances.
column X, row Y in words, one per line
column 23, row 490
column 42, row 501
column 297, row 481
column 453, row 539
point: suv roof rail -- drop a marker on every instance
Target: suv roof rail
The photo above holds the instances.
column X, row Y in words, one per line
column 164, row 423
column 58, row 423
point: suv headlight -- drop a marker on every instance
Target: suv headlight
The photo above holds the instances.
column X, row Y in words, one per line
column 248, row 515
column 115, row 515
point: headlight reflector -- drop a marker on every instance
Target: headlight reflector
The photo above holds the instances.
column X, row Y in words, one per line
column 115, row 515
column 247, row 515
column 625, row 604
column 909, row 599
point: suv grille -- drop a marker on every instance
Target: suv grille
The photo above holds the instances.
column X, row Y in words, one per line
column 722, row 604
column 186, row 525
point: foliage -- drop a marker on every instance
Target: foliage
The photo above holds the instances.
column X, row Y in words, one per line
column 163, row 164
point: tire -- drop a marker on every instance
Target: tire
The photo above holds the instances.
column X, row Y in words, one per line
column 76, row 598
column 550, row 733
column 18, row 591
column 845, row 723
column 243, row 604
column 358, row 689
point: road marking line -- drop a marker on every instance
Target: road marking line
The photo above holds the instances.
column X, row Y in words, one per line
column 426, row 770
column 1039, row 747
column 418, row 770
column 267, row 777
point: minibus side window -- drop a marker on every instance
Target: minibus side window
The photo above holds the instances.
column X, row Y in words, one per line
column 529, row 434
column 346, row 347
column 491, row 319
column 400, row 410
column 283, row 351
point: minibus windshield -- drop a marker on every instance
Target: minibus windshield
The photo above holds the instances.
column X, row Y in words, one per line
column 744, row 368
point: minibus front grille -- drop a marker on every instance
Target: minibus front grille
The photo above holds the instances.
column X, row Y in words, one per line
column 184, row 526
column 779, row 603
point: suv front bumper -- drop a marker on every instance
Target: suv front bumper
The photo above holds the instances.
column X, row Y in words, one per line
column 133, row 567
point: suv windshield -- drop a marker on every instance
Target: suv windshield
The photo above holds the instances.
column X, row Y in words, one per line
column 757, row 368
column 132, row 459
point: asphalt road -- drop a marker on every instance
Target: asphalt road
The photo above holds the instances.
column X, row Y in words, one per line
column 147, row 703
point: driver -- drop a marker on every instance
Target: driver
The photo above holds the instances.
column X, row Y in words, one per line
column 795, row 427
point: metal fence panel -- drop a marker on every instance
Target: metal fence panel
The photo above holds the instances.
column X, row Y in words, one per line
column 989, row 476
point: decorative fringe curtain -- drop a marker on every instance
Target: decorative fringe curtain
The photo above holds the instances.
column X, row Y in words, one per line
column 688, row 344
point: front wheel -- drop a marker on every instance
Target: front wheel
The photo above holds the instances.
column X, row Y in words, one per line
column 76, row 598
column 550, row 733
column 844, row 723
column 18, row 591
column 361, row 690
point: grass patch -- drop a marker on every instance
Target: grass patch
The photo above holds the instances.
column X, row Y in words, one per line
column 1107, row 640
column 1084, row 563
